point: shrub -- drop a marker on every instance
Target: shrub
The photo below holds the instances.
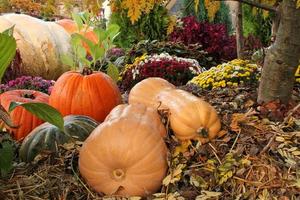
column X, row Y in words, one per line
column 28, row 82
column 233, row 73
column 213, row 38
column 151, row 26
column 172, row 68
column 172, row 48
column 222, row 16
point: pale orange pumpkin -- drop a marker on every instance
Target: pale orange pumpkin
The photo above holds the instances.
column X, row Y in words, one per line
column 126, row 154
column 145, row 92
column 190, row 117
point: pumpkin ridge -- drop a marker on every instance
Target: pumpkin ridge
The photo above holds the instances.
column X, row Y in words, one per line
column 98, row 95
column 151, row 151
column 72, row 87
column 87, row 87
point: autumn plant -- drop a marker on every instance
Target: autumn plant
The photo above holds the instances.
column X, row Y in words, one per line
column 175, row 69
column 95, row 58
column 231, row 74
column 141, row 20
column 28, row 82
column 178, row 49
column 213, row 38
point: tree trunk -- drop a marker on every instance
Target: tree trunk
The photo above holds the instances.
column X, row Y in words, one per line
column 282, row 58
column 239, row 30
column 275, row 23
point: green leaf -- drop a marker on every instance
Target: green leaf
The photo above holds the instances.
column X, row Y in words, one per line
column 8, row 48
column 85, row 17
column 98, row 52
column 9, row 31
column 101, row 34
column 77, row 18
column 87, row 41
column 113, row 72
column 81, row 52
column 6, row 157
column 42, row 111
column 67, row 59
column 113, row 31
column 75, row 40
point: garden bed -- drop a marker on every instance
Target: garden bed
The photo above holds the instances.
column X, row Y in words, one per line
column 254, row 159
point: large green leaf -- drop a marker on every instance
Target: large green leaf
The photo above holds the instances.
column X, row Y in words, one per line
column 8, row 47
column 42, row 111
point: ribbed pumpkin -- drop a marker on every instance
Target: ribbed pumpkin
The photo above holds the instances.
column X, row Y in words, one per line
column 40, row 44
column 19, row 115
column 47, row 137
column 126, row 154
column 190, row 117
column 89, row 93
column 145, row 92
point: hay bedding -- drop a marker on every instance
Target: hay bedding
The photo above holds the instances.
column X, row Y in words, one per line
column 255, row 159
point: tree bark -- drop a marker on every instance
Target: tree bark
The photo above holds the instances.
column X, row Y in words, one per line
column 239, row 31
column 282, row 58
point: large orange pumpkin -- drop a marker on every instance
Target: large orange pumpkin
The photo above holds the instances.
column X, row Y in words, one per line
column 125, row 155
column 26, row 121
column 89, row 93
column 190, row 116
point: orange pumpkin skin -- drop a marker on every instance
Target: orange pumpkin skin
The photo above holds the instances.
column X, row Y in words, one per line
column 190, row 117
column 26, row 121
column 125, row 155
column 145, row 92
column 93, row 95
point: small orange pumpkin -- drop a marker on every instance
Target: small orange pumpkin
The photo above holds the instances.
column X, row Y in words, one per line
column 26, row 121
column 89, row 93
column 190, row 117
column 126, row 155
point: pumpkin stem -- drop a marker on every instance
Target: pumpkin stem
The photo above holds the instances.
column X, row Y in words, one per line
column 28, row 96
column 118, row 174
column 203, row 132
column 86, row 71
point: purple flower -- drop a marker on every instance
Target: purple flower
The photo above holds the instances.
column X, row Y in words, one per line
column 28, row 82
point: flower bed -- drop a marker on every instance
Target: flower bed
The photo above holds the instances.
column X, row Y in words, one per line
column 175, row 69
column 28, row 82
column 233, row 73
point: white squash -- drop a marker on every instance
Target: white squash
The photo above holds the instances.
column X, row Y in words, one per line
column 40, row 43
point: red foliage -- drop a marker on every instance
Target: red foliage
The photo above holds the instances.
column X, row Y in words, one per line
column 213, row 37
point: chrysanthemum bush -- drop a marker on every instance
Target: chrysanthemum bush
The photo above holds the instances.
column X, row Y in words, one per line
column 28, row 82
column 175, row 69
column 233, row 73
